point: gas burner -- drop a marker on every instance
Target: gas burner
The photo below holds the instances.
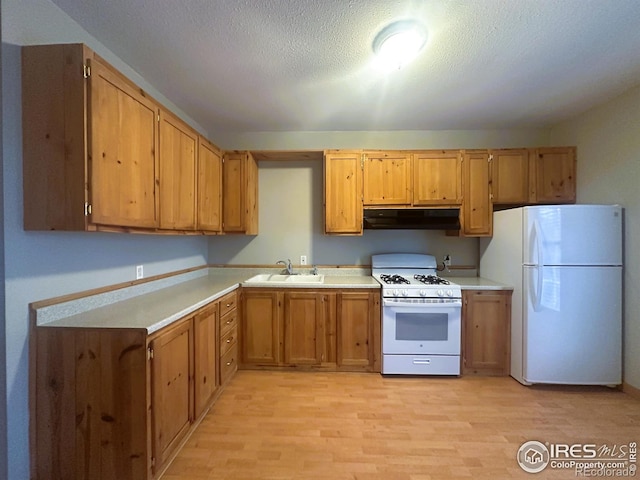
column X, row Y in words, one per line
column 431, row 279
column 393, row 279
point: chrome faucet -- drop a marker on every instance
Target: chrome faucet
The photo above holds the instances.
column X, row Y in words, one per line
column 287, row 265
column 314, row 270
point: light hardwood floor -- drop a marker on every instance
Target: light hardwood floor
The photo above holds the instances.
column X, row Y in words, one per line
column 295, row 425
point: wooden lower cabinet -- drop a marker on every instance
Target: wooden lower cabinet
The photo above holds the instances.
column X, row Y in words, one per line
column 228, row 364
column 172, row 395
column 117, row 404
column 324, row 329
column 486, row 332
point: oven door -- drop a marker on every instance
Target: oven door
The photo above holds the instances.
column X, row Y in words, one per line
column 421, row 326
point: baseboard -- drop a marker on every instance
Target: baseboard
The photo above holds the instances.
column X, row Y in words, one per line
column 633, row 391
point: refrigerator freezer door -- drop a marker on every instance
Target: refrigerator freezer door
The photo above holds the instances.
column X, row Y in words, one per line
column 572, row 325
column 573, row 235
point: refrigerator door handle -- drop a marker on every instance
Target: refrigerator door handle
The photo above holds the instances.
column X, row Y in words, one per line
column 535, row 287
column 536, row 240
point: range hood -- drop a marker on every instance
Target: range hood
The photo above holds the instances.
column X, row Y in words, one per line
column 412, row 219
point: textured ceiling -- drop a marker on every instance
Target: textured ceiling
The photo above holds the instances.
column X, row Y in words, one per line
column 306, row 65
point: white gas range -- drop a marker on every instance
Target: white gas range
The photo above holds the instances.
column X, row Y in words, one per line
column 421, row 316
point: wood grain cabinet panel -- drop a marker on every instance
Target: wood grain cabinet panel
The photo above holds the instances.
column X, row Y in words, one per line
column 553, row 172
column 304, row 328
column 209, row 209
column 172, row 396
column 261, row 327
column 240, row 193
column 205, row 328
column 486, row 319
column 386, row 178
column 477, row 208
column 437, row 177
column 510, row 176
column 177, row 177
column 228, row 337
column 343, row 192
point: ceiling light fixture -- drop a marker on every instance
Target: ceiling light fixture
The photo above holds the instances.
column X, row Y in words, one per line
column 398, row 43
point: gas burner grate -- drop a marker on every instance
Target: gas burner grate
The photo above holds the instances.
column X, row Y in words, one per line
column 395, row 279
column 431, row 279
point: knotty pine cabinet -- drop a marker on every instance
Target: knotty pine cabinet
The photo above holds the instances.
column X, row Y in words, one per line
column 240, row 193
column 386, row 178
column 177, row 173
column 437, row 178
column 343, row 203
column 477, row 208
column 553, row 174
column 209, row 206
column 228, row 364
column 324, row 329
column 117, row 403
column 510, row 176
column 100, row 154
column 486, row 332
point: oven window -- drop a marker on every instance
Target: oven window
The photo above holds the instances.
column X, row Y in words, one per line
column 422, row 326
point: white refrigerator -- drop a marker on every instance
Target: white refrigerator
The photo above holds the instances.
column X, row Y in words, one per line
column 565, row 265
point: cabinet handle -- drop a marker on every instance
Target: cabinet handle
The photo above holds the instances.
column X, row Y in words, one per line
column 228, row 322
column 230, row 362
column 229, row 340
column 229, row 304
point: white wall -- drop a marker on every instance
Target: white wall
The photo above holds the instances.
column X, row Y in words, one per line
column 608, row 141
column 42, row 265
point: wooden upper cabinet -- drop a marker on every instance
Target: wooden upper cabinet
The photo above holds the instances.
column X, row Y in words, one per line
column 343, row 192
column 240, row 193
column 553, row 171
column 477, row 209
column 90, row 138
column 437, row 178
column 209, row 206
column 510, row 176
column 386, row 178
column 177, row 177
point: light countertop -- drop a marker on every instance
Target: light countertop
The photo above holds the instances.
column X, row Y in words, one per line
column 477, row 283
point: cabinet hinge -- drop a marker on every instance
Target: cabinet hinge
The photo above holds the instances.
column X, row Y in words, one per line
column 153, row 461
column 149, row 353
column 86, row 70
column 87, row 209
column 490, row 157
column 158, row 118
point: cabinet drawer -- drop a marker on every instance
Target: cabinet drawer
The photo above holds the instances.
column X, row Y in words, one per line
column 228, row 303
column 228, row 323
column 228, row 340
column 229, row 364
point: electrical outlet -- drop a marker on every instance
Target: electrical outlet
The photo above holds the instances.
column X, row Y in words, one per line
column 139, row 272
column 303, row 259
column 447, row 260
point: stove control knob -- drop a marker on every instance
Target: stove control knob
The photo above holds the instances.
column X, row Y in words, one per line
column 405, row 293
column 449, row 293
column 394, row 292
column 440, row 293
column 423, row 293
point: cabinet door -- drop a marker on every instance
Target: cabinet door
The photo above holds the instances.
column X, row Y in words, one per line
column 343, row 193
column 123, row 141
column 477, row 209
column 261, row 327
column 486, row 332
column 510, row 176
column 386, row 178
column 177, row 177
column 553, row 171
column 437, row 178
column 239, row 193
column 172, row 400
column 355, row 344
column 304, row 328
column 209, row 210
column 205, row 326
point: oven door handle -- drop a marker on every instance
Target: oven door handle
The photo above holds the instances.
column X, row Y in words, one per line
column 448, row 303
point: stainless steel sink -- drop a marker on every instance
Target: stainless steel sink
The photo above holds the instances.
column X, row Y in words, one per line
column 277, row 279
